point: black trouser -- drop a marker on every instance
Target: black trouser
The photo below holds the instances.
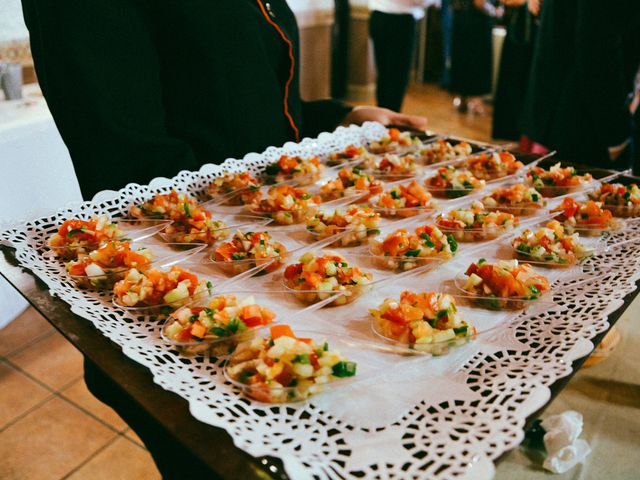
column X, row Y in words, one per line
column 394, row 40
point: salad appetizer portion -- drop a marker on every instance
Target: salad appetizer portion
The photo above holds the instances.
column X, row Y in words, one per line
column 551, row 245
column 238, row 188
column 518, row 199
column 441, row 151
column 348, row 155
column 476, row 224
column 395, row 167
column 149, row 288
column 402, row 250
column 404, row 201
column 450, row 182
column 169, row 206
column 191, row 222
column 421, row 320
column 103, row 267
column 588, row 217
column 305, row 170
column 394, row 141
column 621, row 200
column 350, row 182
column 505, row 284
column 557, row 180
column 493, row 165
column 284, row 368
column 222, row 317
column 286, row 205
column 77, row 237
column 361, row 222
column 317, row 278
column 246, row 250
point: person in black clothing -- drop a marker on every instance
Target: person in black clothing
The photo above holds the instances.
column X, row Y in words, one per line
column 471, row 52
column 515, row 64
column 578, row 86
column 141, row 88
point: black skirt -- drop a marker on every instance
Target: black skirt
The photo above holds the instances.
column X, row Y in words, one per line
column 471, row 52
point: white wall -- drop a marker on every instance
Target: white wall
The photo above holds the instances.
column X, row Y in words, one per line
column 11, row 23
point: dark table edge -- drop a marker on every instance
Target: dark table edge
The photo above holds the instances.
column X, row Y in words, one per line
column 225, row 458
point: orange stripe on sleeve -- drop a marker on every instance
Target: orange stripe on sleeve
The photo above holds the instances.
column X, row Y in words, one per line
column 291, row 70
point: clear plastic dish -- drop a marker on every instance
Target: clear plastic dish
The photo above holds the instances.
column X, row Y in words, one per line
column 412, row 259
column 591, row 246
column 495, row 302
column 403, row 212
column 306, row 171
column 162, row 257
column 402, row 320
column 363, row 223
column 591, row 177
column 132, row 230
column 168, row 307
column 229, row 222
column 621, row 197
column 292, row 243
column 220, row 338
column 451, row 192
column 334, row 360
column 352, row 155
column 489, row 231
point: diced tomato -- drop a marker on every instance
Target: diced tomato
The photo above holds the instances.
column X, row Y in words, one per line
column 394, row 134
column 278, row 331
column 293, row 271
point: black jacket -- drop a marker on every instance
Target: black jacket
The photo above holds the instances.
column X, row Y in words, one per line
column 142, row 88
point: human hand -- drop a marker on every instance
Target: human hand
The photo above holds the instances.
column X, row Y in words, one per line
column 385, row 116
column 534, row 6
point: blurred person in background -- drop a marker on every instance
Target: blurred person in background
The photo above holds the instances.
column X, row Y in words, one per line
column 393, row 27
column 577, row 98
column 470, row 65
column 515, row 65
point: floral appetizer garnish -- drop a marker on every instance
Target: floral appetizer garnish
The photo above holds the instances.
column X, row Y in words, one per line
column 351, row 181
column 294, row 168
column 102, row 266
column 316, row 278
column 555, row 181
column 550, row 244
column 76, row 237
column 405, row 200
column 421, row 319
column 284, row 368
column 403, row 250
column 244, row 184
column 476, row 223
column 153, row 287
column 450, row 182
column 489, row 166
column 506, row 279
column 621, row 200
column 361, row 222
column 393, row 141
column 223, row 316
column 519, row 199
column 247, row 246
column 287, row 205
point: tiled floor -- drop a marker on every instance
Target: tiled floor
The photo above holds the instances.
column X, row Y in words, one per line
column 51, row 427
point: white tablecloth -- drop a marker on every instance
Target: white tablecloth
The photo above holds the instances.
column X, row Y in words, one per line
column 36, row 173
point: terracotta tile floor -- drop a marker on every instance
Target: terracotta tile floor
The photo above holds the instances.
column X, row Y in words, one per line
column 47, row 413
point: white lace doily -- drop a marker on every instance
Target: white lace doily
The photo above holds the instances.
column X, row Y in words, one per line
column 447, row 421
